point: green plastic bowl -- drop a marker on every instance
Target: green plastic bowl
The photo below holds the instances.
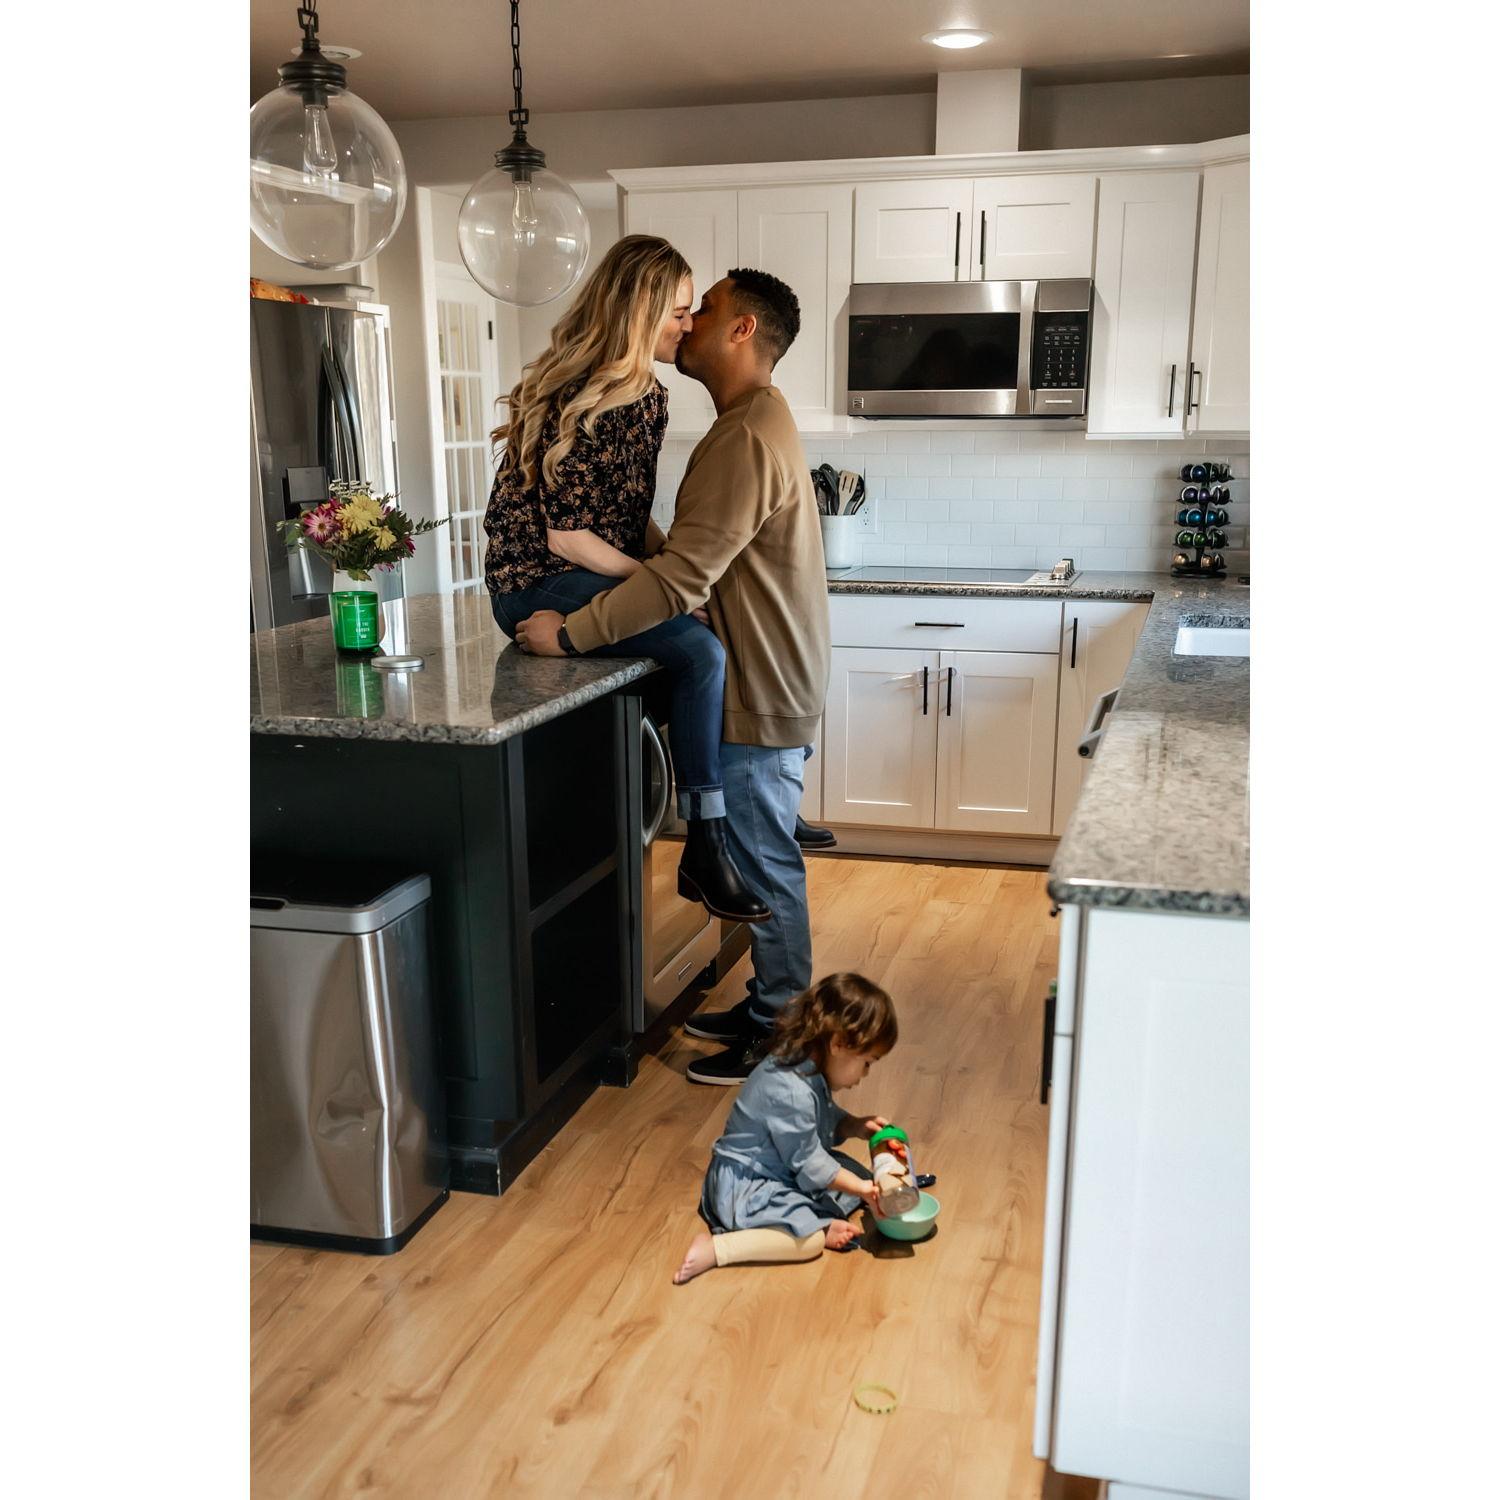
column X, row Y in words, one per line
column 915, row 1224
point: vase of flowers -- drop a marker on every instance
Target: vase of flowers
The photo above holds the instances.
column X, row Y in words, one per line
column 356, row 532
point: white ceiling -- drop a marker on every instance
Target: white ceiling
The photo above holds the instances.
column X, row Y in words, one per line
column 429, row 59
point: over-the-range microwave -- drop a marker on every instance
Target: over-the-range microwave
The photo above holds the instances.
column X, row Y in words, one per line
column 969, row 348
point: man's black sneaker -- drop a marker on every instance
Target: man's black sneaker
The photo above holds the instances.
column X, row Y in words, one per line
column 734, row 1065
column 727, row 1026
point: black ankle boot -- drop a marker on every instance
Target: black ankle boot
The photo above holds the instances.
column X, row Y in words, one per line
column 809, row 837
column 708, row 874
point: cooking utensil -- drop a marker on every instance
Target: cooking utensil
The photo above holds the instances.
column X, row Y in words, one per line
column 848, row 488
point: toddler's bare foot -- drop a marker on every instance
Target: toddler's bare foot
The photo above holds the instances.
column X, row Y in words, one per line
column 699, row 1258
column 838, row 1234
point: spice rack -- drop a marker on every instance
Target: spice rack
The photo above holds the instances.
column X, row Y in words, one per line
column 1202, row 515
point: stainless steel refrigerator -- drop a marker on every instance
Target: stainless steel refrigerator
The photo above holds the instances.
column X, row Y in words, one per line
column 321, row 408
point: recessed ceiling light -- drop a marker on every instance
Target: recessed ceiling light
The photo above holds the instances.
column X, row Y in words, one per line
column 959, row 38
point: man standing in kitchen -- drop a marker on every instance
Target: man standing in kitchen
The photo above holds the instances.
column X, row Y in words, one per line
column 745, row 544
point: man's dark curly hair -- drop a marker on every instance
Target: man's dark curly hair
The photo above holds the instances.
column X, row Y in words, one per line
column 778, row 317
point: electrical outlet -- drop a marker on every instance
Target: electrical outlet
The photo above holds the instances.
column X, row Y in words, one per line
column 864, row 517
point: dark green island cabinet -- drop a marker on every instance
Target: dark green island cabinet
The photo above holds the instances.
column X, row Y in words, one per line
column 515, row 784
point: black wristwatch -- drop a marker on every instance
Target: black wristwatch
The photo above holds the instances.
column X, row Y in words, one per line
column 569, row 649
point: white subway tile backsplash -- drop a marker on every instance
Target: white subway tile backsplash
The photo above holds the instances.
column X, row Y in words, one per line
column 927, row 511
column 905, row 532
column 1018, row 464
column 1044, row 442
column 950, row 489
column 929, row 465
column 975, row 465
column 996, row 497
column 1066, row 464
column 993, row 535
column 1086, row 488
column 1083, row 536
column 1040, row 487
column 1002, row 487
column 1038, row 535
column 1016, row 510
column 969, row 511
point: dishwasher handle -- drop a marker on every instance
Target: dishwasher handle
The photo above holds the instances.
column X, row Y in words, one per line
column 1090, row 740
column 656, row 755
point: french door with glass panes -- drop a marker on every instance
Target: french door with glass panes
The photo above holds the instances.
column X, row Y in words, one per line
column 468, row 380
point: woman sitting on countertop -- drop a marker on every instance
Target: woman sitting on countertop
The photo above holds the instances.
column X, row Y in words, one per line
column 570, row 516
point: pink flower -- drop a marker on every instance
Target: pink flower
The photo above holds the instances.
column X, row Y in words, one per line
column 320, row 525
column 410, row 545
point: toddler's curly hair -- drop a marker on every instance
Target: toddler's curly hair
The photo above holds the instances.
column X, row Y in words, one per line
column 847, row 1006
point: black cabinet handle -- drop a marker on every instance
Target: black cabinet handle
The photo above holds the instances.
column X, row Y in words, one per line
column 1073, row 657
column 938, row 624
column 1191, row 404
column 1049, row 1031
column 951, row 671
column 981, row 246
column 924, row 692
column 1172, row 390
column 958, row 234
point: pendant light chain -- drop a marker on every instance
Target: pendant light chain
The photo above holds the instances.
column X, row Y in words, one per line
column 307, row 19
column 519, row 115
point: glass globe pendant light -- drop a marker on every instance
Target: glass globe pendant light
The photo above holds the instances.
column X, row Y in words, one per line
column 522, row 232
column 327, row 183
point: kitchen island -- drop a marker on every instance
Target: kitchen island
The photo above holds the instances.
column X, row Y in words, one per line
column 515, row 784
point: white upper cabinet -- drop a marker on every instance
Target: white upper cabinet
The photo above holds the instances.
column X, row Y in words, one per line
column 1220, row 398
column 1143, row 297
column 997, row 718
column 1033, row 226
column 704, row 226
column 804, row 236
column 913, row 230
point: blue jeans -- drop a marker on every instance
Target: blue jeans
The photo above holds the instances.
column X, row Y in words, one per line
column 693, row 659
column 762, row 792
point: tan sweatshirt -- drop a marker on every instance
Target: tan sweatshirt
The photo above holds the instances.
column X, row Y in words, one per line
column 746, row 541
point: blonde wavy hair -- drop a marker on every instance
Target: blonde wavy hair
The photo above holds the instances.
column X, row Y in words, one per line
column 606, row 340
column 847, row 1006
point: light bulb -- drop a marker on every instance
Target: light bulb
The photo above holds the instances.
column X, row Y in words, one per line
column 320, row 157
column 523, row 211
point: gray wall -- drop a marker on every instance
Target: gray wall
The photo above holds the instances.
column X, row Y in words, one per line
column 1151, row 112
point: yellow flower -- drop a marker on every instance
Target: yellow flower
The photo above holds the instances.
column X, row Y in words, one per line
column 359, row 514
column 385, row 538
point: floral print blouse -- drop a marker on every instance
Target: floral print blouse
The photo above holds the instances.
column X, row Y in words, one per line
column 605, row 485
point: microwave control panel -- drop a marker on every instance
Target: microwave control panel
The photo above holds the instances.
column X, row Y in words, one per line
column 1059, row 351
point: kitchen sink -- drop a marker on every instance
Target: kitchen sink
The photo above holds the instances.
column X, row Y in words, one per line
column 1215, row 638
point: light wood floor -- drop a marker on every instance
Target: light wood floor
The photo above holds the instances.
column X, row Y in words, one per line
column 534, row 1346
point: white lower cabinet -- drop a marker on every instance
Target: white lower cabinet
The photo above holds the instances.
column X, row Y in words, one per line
column 955, row 740
column 1098, row 640
column 881, row 737
column 1146, row 1266
column 995, row 741
column 812, row 781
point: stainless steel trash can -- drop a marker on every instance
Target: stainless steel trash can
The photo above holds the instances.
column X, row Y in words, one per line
column 348, row 1146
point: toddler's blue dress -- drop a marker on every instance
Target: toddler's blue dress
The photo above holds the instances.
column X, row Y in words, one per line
column 772, row 1166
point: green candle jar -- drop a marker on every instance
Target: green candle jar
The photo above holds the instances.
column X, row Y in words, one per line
column 354, row 609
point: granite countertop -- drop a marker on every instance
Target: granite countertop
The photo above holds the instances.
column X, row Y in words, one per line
column 972, row 583
column 1162, row 822
column 475, row 687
